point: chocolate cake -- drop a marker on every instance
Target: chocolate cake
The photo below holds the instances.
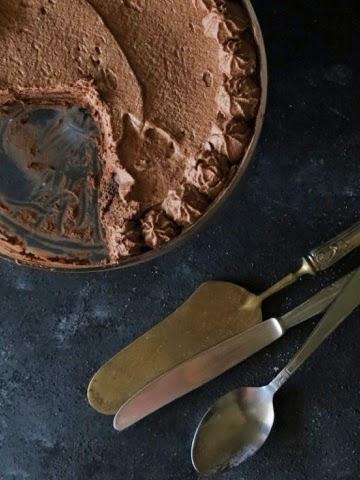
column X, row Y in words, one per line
column 168, row 92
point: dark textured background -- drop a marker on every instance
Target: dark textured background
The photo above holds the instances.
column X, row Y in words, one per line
column 302, row 187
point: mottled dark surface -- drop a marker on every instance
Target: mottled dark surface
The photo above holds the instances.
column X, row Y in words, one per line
column 302, row 187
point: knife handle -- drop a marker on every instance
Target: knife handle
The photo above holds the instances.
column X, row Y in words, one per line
column 347, row 301
column 315, row 305
column 331, row 252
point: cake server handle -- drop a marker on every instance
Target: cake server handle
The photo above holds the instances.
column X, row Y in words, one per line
column 331, row 252
column 320, row 258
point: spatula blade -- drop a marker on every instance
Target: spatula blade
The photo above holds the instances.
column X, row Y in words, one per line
column 189, row 376
column 216, row 311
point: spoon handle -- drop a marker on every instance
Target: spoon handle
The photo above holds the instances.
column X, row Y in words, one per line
column 345, row 303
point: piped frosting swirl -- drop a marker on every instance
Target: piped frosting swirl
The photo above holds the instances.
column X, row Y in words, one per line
column 157, row 228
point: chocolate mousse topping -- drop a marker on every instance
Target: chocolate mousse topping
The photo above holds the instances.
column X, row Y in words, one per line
column 172, row 88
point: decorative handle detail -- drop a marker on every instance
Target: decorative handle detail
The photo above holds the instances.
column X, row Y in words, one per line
column 282, row 378
column 320, row 259
column 328, row 254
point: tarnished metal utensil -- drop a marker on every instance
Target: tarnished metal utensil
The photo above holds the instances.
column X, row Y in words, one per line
column 213, row 362
column 215, row 312
column 240, row 422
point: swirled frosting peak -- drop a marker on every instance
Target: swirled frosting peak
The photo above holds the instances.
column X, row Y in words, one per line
column 209, row 172
column 185, row 205
column 158, row 228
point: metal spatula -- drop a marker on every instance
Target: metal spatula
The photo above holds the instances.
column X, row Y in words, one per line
column 215, row 312
column 206, row 366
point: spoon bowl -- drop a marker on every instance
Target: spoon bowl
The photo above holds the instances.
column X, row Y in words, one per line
column 247, row 410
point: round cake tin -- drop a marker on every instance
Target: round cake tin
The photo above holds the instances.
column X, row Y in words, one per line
column 14, row 254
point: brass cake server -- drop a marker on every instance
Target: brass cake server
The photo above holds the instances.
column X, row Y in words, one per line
column 207, row 365
column 215, row 312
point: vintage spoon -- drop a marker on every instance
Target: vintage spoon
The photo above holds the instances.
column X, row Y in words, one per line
column 239, row 423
